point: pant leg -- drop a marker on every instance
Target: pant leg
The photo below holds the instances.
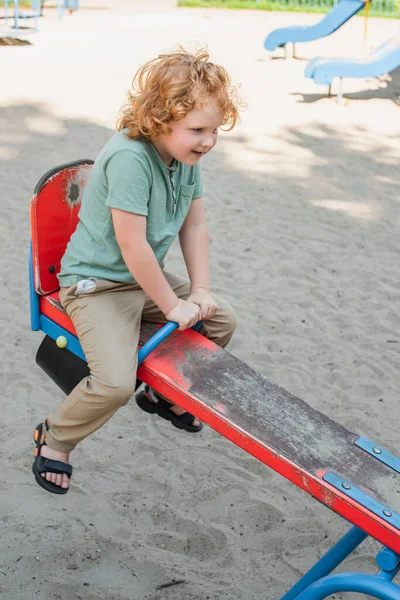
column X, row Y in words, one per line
column 107, row 321
column 219, row 329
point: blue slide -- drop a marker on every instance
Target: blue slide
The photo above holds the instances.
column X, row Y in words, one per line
column 382, row 60
column 339, row 14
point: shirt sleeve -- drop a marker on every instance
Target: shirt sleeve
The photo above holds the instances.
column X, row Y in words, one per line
column 129, row 182
column 198, row 182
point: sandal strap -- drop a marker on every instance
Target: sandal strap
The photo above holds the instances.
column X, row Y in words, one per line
column 48, row 465
column 185, row 418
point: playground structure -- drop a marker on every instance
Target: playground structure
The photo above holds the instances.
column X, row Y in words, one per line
column 338, row 16
column 351, row 475
column 324, row 70
column 33, row 14
column 383, row 59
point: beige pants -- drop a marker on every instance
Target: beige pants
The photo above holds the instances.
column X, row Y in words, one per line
column 107, row 320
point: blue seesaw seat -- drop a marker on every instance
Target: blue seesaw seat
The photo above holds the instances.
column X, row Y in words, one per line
column 382, row 60
column 339, row 15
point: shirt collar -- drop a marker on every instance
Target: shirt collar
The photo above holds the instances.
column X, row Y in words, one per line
column 159, row 160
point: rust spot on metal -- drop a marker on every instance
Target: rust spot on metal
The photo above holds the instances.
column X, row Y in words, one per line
column 73, row 195
column 74, row 185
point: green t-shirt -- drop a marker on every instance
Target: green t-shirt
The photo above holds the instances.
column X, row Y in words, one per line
column 128, row 175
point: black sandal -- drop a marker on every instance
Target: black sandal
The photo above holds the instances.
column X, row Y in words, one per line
column 47, row 465
column 163, row 409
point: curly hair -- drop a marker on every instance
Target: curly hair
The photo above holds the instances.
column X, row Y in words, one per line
column 166, row 88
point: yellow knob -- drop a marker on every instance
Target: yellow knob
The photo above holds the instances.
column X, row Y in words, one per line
column 62, row 341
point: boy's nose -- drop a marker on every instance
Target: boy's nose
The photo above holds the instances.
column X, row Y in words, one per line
column 207, row 143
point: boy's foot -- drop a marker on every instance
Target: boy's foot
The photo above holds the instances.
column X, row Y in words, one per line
column 153, row 403
column 179, row 411
column 50, row 467
column 56, row 478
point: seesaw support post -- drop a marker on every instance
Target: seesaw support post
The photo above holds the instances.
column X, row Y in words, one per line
column 341, row 550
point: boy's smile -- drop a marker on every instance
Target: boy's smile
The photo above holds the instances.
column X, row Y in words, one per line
column 193, row 136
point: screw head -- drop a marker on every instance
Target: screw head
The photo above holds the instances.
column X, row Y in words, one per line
column 377, row 450
column 346, row 486
column 387, row 513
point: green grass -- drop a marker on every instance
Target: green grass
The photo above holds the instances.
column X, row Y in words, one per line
column 271, row 5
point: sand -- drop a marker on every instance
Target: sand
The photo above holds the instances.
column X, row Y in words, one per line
column 303, row 207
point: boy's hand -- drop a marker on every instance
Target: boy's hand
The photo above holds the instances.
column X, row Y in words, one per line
column 185, row 313
column 205, row 301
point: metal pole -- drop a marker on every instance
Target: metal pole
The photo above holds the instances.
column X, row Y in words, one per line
column 16, row 15
column 340, row 92
column 153, row 342
column 328, row 562
column 352, row 582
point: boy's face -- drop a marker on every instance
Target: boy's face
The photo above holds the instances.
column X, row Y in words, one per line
column 193, row 136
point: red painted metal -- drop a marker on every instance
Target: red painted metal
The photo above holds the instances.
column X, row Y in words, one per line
column 50, row 307
column 164, row 376
column 54, row 217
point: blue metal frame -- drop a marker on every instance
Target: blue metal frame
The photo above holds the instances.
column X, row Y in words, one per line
column 352, row 582
column 328, row 562
column 317, row 583
column 156, row 340
column 34, row 298
column 379, row 453
column 352, row 491
column 388, row 560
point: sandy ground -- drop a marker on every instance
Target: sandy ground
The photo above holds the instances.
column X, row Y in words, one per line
column 303, row 207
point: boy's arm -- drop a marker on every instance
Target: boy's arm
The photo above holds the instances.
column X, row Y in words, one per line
column 193, row 238
column 130, row 231
column 194, row 241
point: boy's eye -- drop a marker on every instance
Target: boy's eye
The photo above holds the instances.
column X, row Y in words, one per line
column 200, row 129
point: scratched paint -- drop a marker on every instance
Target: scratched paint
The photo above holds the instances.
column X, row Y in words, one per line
column 273, row 416
column 74, row 186
column 56, row 303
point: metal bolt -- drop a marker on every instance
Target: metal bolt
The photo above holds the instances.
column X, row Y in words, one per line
column 387, row 513
column 346, row 486
column 377, row 450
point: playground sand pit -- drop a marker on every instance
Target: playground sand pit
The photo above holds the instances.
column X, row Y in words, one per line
column 303, row 208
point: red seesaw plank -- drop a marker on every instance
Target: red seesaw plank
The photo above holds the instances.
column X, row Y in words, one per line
column 279, row 429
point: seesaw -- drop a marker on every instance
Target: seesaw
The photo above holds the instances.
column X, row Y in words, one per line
column 351, row 475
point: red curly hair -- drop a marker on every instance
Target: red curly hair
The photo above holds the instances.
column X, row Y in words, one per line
column 166, row 88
